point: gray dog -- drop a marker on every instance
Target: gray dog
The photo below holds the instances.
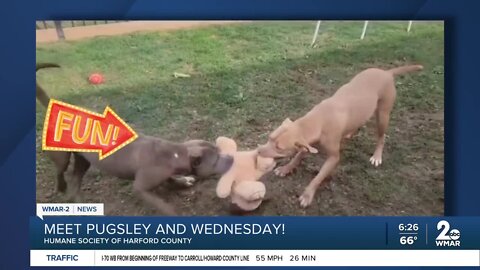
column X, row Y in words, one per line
column 148, row 160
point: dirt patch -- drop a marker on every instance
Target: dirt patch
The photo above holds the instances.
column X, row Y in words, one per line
column 121, row 28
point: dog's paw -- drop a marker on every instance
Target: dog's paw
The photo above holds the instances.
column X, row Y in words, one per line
column 282, row 170
column 376, row 161
column 307, row 197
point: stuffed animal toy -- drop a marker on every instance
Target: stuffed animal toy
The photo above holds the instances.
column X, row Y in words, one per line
column 241, row 181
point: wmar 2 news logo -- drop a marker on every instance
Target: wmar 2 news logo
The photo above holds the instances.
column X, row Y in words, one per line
column 447, row 237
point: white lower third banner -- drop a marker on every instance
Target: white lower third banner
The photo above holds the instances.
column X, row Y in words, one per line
column 255, row 257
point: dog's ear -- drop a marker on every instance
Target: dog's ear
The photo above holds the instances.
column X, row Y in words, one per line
column 306, row 147
column 282, row 128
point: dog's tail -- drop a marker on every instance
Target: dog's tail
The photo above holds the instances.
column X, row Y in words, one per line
column 405, row 69
column 41, row 94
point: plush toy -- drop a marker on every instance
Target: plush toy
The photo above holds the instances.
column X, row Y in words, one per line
column 241, row 181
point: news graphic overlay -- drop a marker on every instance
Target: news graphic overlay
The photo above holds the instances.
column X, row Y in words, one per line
column 254, row 241
column 417, row 235
column 71, row 128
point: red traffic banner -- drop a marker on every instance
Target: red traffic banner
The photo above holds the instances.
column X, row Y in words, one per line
column 71, row 128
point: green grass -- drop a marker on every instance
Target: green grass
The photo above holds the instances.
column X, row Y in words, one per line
column 246, row 78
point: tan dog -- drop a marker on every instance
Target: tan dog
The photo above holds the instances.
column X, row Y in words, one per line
column 240, row 182
column 370, row 92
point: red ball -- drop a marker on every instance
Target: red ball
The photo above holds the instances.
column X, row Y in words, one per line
column 95, row 78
